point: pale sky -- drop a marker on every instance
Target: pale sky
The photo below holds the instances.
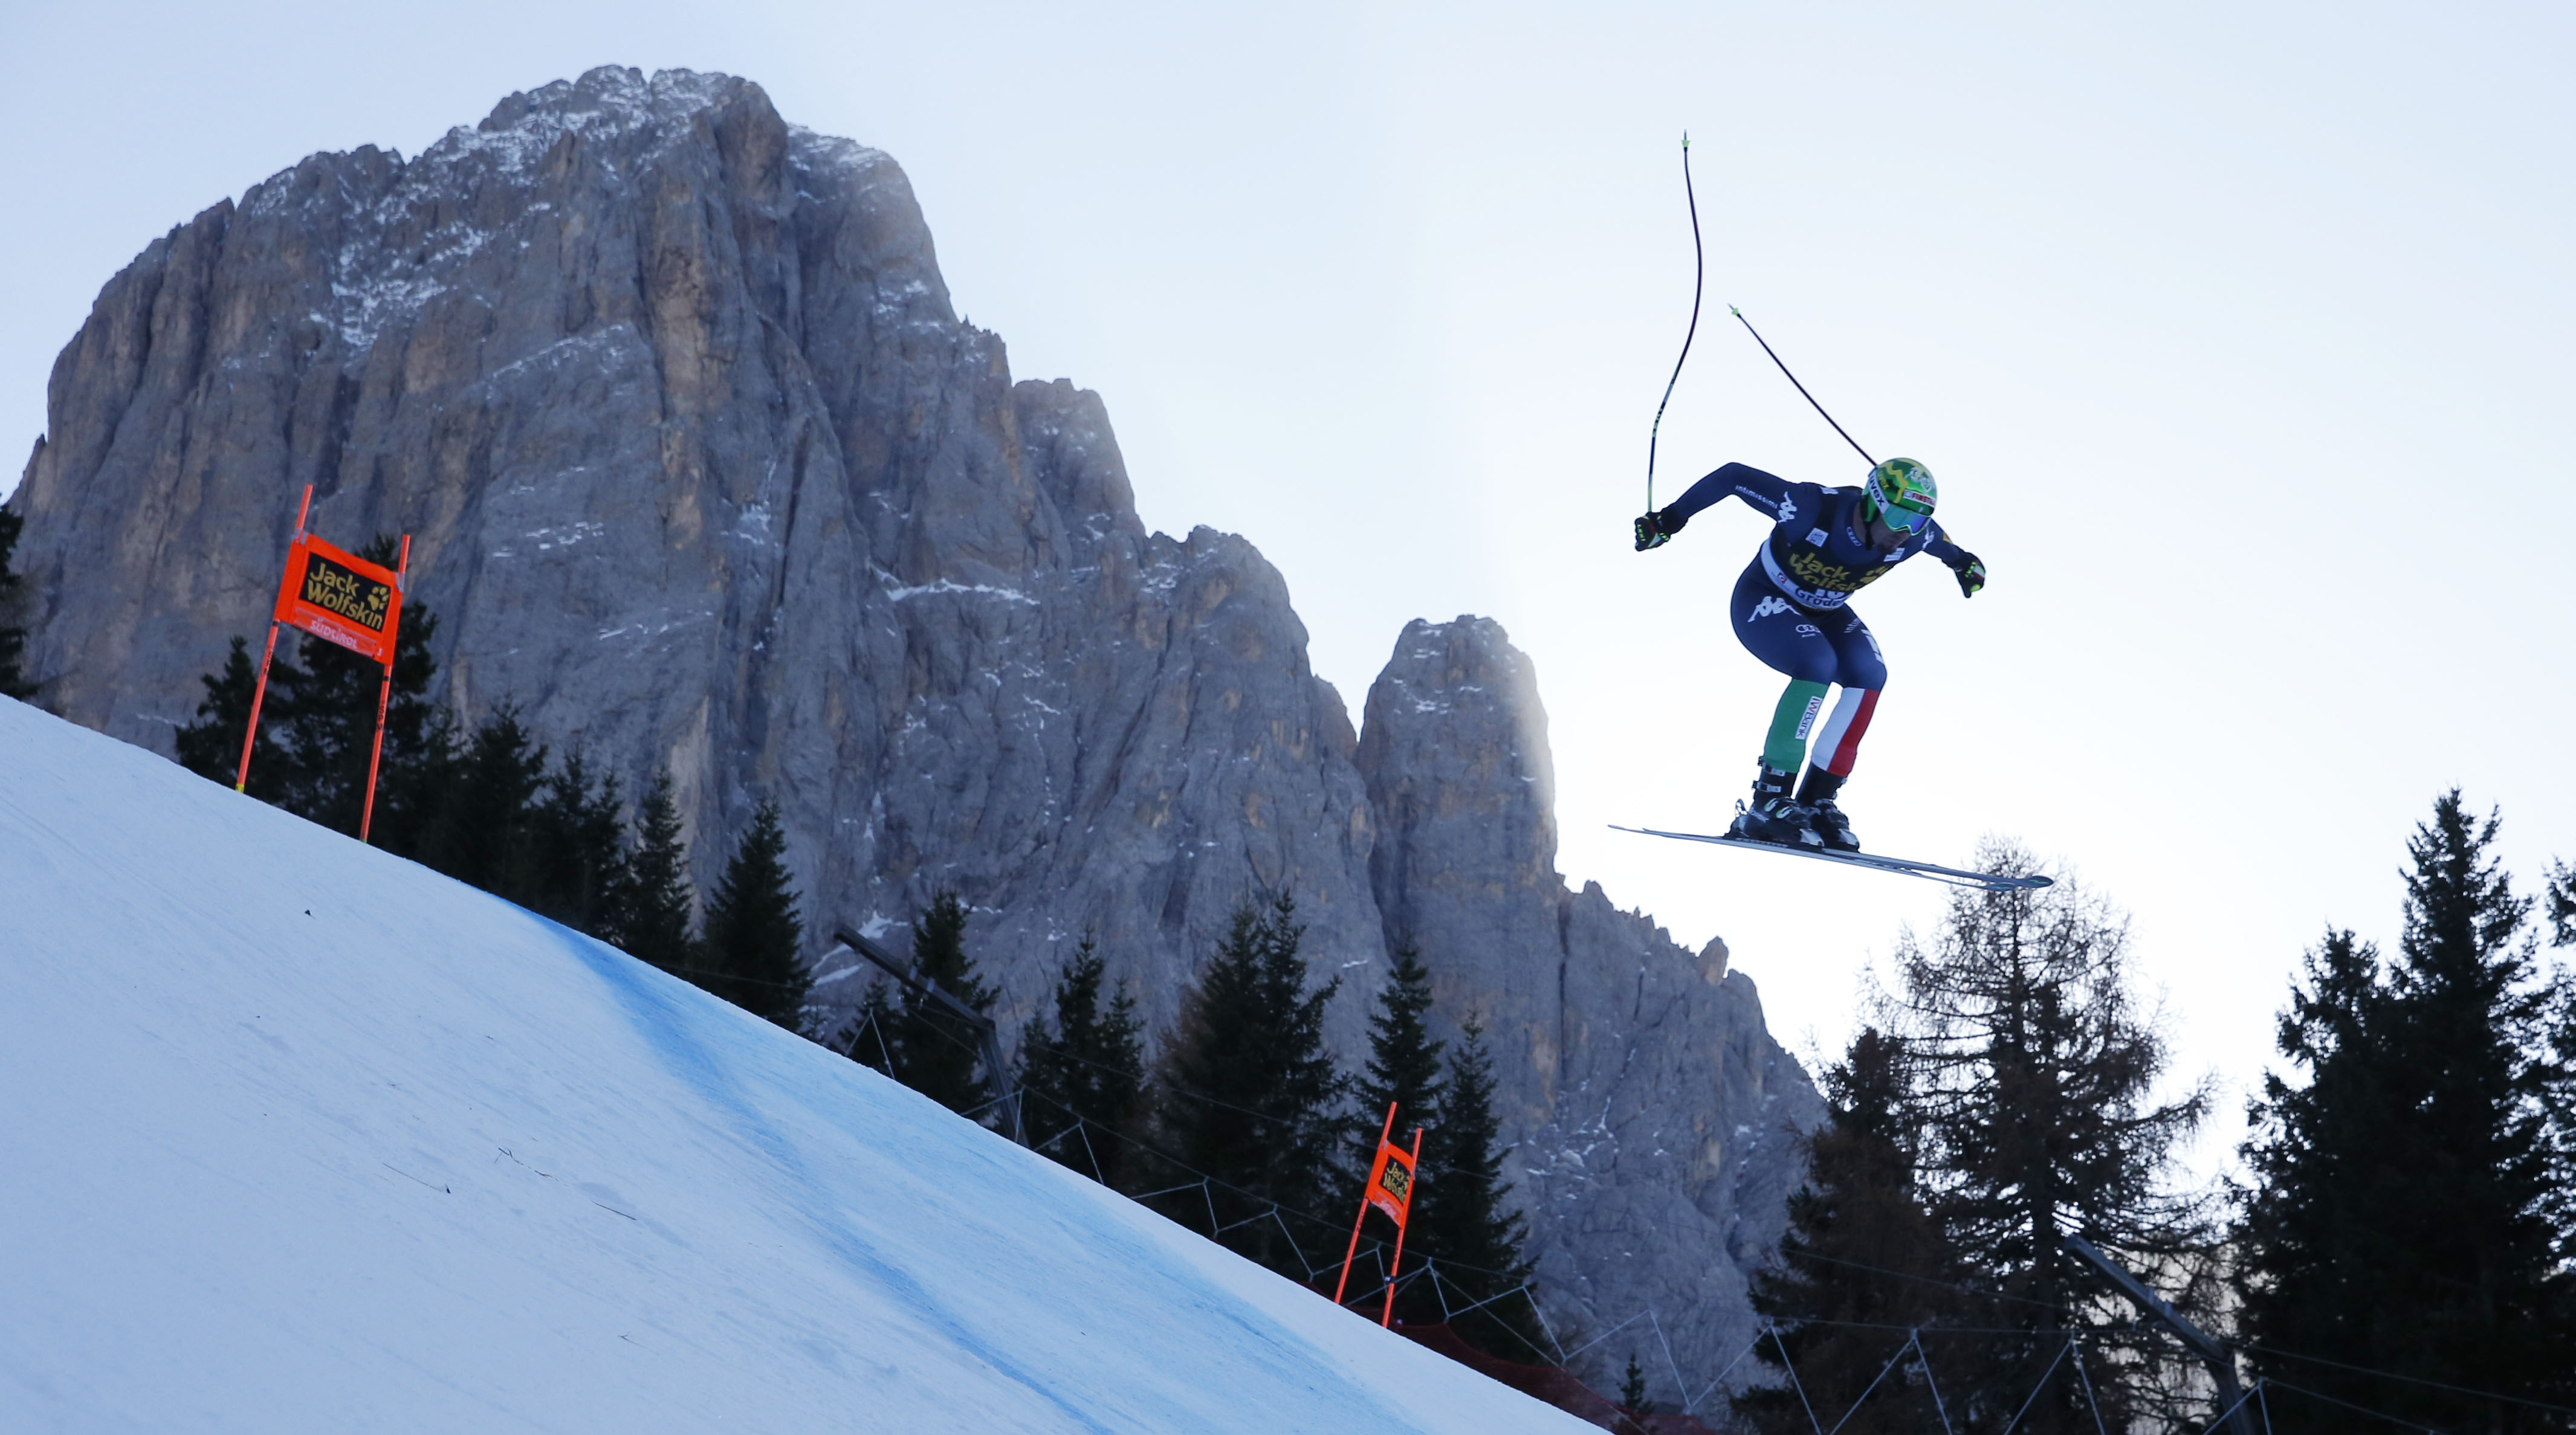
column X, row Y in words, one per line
column 2236, row 335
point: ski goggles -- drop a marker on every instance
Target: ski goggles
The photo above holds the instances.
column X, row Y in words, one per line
column 1903, row 519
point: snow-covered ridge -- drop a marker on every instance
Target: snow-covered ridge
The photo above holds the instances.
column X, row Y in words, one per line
column 414, row 211
column 607, row 100
column 815, row 150
column 322, row 1140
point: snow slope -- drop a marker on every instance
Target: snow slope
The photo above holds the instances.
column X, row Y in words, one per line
column 298, row 1136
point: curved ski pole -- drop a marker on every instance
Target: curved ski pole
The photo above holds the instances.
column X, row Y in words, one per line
column 1699, row 281
column 1793, row 383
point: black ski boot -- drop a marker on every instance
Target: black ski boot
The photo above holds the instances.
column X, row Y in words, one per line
column 1832, row 829
column 1774, row 816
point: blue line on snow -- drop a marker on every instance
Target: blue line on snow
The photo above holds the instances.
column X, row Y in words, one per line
column 656, row 1017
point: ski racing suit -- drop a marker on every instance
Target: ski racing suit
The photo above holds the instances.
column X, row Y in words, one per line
column 1792, row 609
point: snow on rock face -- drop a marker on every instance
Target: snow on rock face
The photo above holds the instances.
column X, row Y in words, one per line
column 704, row 472
column 396, row 1155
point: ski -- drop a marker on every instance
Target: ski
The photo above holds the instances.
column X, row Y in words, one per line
column 1902, row 866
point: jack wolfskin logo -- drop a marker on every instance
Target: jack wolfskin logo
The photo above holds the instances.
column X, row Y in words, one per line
column 1813, row 570
column 1767, row 607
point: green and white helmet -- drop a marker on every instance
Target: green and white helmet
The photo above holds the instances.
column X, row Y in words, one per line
column 1900, row 491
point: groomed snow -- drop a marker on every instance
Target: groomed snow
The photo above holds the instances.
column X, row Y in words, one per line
column 295, row 1136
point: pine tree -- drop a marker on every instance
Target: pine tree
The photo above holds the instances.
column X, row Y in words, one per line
column 211, row 746
column 935, row 1051
column 13, row 639
column 1249, row 1095
column 753, row 952
column 2562, row 904
column 917, row 1039
column 1403, row 1070
column 1082, row 1067
column 1862, row 1261
column 580, row 848
column 327, row 710
column 1404, row 1060
column 2037, row 1072
column 2409, row 1213
column 1632, row 1386
column 1462, row 1213
column 649, row 906
column 2560, row 892
column 481, row 829
column 421, row 743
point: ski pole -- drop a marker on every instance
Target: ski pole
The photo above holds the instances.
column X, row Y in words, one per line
column 1793, row 382
column 1699, row 277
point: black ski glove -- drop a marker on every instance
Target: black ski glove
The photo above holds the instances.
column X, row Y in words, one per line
column 1657, row 529
column 1970, row 572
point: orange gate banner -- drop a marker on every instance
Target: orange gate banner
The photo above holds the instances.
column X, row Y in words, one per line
column 341, row 598
column 1390, row 1186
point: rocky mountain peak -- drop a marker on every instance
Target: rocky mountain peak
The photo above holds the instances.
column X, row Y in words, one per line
column 1454, row 718
column 705, row 474
column 1651, row 1098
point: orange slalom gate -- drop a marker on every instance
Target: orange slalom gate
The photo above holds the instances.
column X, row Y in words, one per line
column 1390, row 1189
column 340, row 598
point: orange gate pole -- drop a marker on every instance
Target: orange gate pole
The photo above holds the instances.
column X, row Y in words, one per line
column 384, row 696
column 1396, row 1261
column 1356, row 1221
column 259, row 693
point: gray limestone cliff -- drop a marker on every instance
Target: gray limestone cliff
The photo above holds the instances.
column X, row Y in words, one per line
column 704, row 472
column 1654, row 1111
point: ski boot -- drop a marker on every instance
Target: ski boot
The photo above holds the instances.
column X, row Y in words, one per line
column 1774, row 816
column 1833, row 830
column 1831, row 827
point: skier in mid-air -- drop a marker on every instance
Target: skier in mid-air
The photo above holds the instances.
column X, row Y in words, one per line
column 1792, row 609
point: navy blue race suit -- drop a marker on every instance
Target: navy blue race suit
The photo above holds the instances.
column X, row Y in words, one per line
column 1791, row 608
